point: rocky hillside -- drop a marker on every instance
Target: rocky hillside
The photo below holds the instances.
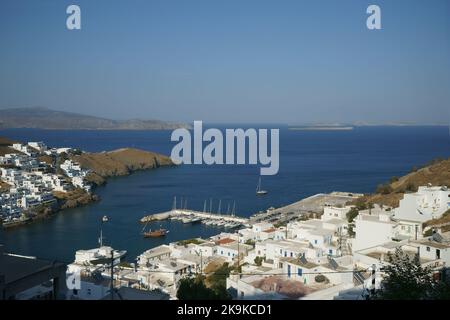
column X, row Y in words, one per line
column 119, row 162
column 437, row 172
column 44, row 118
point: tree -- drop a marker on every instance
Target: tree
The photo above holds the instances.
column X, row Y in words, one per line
column 352, row 214
column 406, row 279
column 259, row 260
column 194, row 289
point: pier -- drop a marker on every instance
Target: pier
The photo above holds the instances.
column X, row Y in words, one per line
column 180, row 213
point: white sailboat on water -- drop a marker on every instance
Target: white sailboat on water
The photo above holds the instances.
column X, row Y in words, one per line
column 259, row 191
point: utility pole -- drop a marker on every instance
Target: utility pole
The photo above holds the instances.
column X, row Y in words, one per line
column 373, row 279
column 239, row 274
column 112, row 274
column 201, row 261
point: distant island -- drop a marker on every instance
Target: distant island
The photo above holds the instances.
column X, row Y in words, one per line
column 356, row 124
column 321, row 128
column 44, row 118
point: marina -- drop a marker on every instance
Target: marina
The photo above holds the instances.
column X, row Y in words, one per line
column 191, row 216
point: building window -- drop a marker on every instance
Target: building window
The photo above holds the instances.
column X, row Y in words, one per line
column 299, row 272
column 428, row 249
column 330, row 251
column 285, row 254
column 291, row 255
column 315, row 241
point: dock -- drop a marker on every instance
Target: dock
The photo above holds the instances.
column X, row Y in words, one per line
column 180, row 213
column 310, row 205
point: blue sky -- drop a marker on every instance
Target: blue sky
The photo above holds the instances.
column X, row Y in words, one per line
column 229, row 61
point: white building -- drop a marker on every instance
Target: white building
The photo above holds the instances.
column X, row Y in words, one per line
column 415, row 208
column 39, row 146
column 374, row 229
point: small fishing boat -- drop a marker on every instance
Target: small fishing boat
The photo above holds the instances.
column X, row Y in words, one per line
column 105, row 219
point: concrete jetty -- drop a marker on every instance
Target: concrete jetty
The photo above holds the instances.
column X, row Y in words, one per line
column 197, row 214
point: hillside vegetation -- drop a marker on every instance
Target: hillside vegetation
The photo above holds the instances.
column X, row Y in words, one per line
column 437, row 172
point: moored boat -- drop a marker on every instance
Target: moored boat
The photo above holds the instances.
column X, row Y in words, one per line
column 155, row 233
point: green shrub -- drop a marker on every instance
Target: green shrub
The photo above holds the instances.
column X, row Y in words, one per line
column 259, row 260
column 384, row 188
column 393, row 179
column 411, row 187
column 320, row 278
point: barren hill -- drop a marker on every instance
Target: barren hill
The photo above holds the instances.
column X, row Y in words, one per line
column 120, row 162
column 44, row 118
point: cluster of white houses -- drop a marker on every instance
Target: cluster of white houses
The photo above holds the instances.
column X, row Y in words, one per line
column 311, row 259
column 32, row 182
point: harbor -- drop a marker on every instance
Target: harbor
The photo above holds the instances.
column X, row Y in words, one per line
column 313, row 205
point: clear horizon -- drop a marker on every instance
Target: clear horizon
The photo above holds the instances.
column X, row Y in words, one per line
column 230, row 62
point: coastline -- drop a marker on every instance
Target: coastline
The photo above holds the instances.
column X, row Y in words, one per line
column 101, row 167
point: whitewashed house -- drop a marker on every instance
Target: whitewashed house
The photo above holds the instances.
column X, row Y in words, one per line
column 414, row 209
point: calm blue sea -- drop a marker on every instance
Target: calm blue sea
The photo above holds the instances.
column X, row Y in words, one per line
column 310, row 162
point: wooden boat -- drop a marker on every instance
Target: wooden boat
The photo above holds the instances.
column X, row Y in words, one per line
column 155, row 233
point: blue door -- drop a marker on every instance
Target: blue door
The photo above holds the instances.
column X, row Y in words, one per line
column 289, row 270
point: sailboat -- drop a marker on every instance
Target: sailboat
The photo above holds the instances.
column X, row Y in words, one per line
column 259, row 191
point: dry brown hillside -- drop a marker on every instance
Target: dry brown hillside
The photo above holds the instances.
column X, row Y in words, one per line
column 437, row 172
column 120, row 162
column 4, row 146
